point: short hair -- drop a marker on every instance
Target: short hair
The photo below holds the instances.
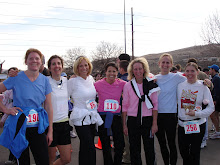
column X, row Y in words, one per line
column 98, row 73
column 43, row 60
column 166, row 55
column 192, row 64
column 173, row 69
column 205, row 70
column 12, row 68
column 53, row 57
column 178, row 66
column 141, row 60
column 30, row 51
column 78, row 61
column 124, row 56
column 124, row 64
column 192, row 60
column 111, row 64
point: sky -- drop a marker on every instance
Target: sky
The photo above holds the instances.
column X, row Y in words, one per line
column 55, row 26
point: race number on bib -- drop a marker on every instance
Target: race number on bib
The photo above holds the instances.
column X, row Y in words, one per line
column 111, row 105
column 32, row 119
column 91, row 104
column 191, row 127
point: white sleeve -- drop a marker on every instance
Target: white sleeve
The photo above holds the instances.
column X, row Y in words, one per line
column 210, row 107
column 70, row 86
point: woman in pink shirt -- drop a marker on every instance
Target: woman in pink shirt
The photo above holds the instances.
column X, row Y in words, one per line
column 140, row 105
column 109, row 91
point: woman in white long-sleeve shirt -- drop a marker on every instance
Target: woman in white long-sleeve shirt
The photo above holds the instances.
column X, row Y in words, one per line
column 84, row 115
column 192, row 113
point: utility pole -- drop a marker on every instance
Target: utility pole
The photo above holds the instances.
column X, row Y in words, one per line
column 124, row 27
column 132, row 28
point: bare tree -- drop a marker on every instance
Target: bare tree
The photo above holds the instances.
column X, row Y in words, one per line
column 70, row 58
column 104, row 53
column 211, row 29
column 211, row 33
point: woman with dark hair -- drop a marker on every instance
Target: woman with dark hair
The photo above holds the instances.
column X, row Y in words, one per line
column 26, row 125
column 109, row 91
column 61, row 128
column 195, row 104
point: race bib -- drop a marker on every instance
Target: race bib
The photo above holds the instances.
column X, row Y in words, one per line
column 111, row 105
column 91, row 104
column 32, row 118
column 191, row 127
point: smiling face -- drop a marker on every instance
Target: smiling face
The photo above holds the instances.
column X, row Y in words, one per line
column 165, row 64
column 56, row 67
column 33, row 61
column 111, row 74
column 83, row 69
column 191, row 74
column 138, row 71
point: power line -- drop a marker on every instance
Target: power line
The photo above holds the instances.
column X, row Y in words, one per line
column 56, row 7
column 61, row 19
column 160, row 18
column 167, row 19
column 70, row 27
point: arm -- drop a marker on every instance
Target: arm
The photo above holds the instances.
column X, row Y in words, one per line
column 48, row 107
column 208, row 110
column 10, row 111
column 208, row 83
column 154, row 127
column 124, row 119
column 215, row 89
column 154, row 98
column 125, row 104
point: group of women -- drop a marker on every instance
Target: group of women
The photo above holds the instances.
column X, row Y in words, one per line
column 149, row 107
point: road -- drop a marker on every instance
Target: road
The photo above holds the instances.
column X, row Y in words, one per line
column 209, row 155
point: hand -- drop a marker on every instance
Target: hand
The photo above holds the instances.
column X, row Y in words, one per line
column 13, row 73
column 154, row 129
column 191, row 113
column 214, row 102
column 13, row 111
column 207, row 82
column 125, row 130
column 49, row 137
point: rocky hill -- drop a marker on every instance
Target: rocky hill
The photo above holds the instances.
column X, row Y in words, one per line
column 206, row 55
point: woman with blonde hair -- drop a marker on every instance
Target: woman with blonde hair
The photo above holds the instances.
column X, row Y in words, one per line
column 139, row 111
column 84, row 115
column 167, row 108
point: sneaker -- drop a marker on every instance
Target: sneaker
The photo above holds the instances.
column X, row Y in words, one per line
column 57, row 154
column 125, row 161
column 204, row 144
column 73, row 134
column 210, row 134
column 10, row 162
column 213, row 128
column 215, row 135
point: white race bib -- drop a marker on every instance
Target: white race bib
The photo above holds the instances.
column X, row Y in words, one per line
column 111, row 105
column 91, row 104
column 191, row 127
column 32, row 118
